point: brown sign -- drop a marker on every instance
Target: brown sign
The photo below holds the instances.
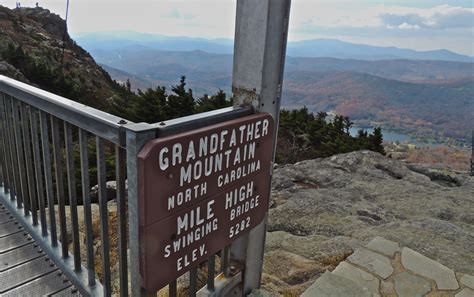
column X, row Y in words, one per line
column 199, row 191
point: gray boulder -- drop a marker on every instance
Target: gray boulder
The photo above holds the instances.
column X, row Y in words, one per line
column 111, row 190
column 324, row 209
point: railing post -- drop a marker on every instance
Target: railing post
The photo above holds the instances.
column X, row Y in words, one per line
column 259, row 56
column 137, row 135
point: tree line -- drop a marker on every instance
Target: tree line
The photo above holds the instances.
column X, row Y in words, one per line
column 302, row 135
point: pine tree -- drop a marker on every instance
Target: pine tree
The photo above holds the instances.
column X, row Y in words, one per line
column 376, row 141
column 128, row 85
column 181, row 103
column 151, row 106
column 206, row 103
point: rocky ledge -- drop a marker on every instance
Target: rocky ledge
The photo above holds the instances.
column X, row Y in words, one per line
column 323, row 210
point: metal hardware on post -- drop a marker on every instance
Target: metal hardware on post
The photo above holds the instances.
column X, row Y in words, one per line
column 200, row 120
column 259, row 55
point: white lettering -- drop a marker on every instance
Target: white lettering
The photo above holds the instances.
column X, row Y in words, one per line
column 164, row 163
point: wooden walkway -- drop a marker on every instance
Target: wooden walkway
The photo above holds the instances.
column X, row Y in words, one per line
column 25, row 270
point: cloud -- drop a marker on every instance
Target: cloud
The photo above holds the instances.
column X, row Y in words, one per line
column 439, row 17
column 406, row 26
column 423, row 27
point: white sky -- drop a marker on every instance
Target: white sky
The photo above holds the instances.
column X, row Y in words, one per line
column 417, row 24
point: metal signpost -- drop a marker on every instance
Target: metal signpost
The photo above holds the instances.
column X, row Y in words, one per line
column 261, row 32
column 179, row 201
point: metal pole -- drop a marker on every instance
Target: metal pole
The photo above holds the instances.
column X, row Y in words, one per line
column 259, row 56
column 137, row 135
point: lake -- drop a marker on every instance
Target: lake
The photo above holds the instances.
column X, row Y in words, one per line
column 392, row 136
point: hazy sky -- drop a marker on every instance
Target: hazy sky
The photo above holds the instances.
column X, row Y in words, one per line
column 417, row 24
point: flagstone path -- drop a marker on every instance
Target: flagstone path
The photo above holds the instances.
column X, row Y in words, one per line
column 383, row 268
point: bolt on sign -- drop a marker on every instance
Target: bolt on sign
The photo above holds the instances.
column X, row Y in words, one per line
column 199, row 191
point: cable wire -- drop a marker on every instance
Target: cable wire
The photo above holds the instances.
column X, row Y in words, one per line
column 65, row 32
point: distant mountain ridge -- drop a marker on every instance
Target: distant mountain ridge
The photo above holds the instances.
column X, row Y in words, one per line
column 212, row 71
column 417, row 94
column 345, row 50
column 433, row 98
column 308, row 48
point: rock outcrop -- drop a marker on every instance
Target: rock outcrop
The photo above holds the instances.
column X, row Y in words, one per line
column 325, row 211
column 322, row 210
column 42, row 36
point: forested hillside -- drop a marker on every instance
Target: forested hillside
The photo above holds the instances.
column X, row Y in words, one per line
column 433, row 110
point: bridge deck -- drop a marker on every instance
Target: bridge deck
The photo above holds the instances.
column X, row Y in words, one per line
column 25, row 270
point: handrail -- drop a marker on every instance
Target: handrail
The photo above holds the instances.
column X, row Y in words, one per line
column 103, row 124
column 66, row 265
column 100, row 123
column 196, row 121
column 36, row 115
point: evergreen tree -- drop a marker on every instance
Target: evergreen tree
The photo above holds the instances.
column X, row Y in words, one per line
column 302, row 136
column 348, row 125
column 206, row 103
column 128, row 85
column 376, row 140
column 151, row 106
column 181, row 103
column 339, row 123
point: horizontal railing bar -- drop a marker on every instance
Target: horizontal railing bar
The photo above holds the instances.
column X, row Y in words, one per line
column 100, row 123
column 222, row 285
column 200, row 120
column 66, row 265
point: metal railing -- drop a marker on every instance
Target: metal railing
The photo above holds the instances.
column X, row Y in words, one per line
column 52, row 151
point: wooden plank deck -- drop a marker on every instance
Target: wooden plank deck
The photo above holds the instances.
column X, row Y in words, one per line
column 25, row 270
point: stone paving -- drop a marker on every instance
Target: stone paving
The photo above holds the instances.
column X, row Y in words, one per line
column 383, row 268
